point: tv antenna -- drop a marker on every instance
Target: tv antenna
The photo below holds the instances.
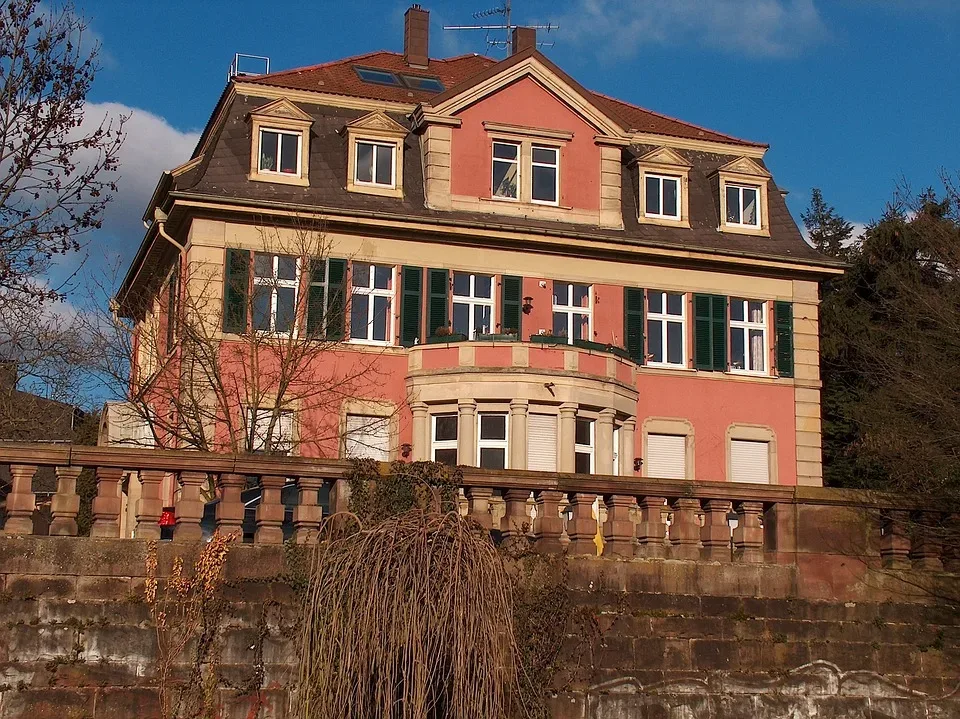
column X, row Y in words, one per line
column 504, row 11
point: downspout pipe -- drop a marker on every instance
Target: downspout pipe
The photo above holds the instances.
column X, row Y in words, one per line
column 160, row 217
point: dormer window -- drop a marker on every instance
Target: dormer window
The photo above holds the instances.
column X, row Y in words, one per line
column 376, row 164
column 741, row 186
column 664, row 178
column 279, row 139
column 375, row 155
column 280, row 151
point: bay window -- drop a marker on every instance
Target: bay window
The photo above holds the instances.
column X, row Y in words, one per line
column 444, row 439
column 572, row 311
column 492, row 440
column 472, row 304
column 584, row 445
column 748, row 335
column 370, row 302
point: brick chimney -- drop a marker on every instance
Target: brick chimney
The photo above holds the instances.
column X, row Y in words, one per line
column 523, row 37
column 416, row 36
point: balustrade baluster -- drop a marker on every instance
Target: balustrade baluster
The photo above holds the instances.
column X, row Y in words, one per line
column 928, row 544
column 715, row 533
column 685, row 529
column 582, row 528
column 748, row 536
column 107, row 503
column 230, row 509
column 150, row 504
column 651, row 529
column 308, row 512
column 65, row 504
column 21, row 501
column 270, row 511
column 516, row 522
column 190, row 507
column 548, row 526
column 895, row 541
column 618, row 530
column 478, row 506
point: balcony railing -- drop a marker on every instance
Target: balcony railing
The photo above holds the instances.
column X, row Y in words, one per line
column 651, row 518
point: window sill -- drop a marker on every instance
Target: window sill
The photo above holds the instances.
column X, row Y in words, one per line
column 368, row 343
column 279, row 179
column 521, row 203
column 664, row 221
column 745, row 230
column 380, row 190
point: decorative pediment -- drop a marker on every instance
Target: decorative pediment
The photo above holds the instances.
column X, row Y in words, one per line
column 745, row 166
column 664, row 156
column 281, row 109
column 378, row 122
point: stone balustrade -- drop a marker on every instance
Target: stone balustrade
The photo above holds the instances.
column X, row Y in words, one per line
column 580, row 514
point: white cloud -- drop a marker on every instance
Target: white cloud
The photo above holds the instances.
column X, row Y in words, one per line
column 619, row 28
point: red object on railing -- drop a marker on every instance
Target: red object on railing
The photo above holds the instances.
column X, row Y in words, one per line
column 168, row 518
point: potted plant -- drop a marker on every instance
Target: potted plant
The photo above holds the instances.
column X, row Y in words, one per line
column 548, row 338
column 444, row 334
column 508, row 334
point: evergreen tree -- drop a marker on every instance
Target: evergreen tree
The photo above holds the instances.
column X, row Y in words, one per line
column 828, row 231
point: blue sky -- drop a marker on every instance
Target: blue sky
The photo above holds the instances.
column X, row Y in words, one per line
column 854, row 96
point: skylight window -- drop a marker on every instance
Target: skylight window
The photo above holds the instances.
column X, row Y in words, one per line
column 377, row 77
column 425, row 84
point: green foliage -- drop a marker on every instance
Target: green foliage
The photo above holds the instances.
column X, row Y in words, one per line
column 415, row 485
column 828, row 231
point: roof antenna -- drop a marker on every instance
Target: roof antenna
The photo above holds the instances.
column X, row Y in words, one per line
column 505, row 11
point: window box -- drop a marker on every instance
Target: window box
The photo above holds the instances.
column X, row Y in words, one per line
column 498, row 338
column 601, row 347
column 443, row 339
column 548, row 340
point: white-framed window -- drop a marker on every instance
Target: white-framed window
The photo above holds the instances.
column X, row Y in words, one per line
column 666, row 328
column 666, row 456
column 662, row 198
column 279, row 152
column 542, row 442
column 275, row 282
column 367, row 436
column 616, row 450
column 584, row 444
column 749, row 461
column 371, row 300
column 263, row 439
column 492, row 440
column 506, row 170
column 572, row 310
column 748, row 335
column 743, row 205
column 545, row 171
column 472, row 304
column 444, row 443
column 375, row 163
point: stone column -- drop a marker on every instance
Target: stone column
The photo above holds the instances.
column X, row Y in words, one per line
column 685, row 530
column 308, row 512
column 21, row 501
column 467, row 432
column 518, row 433
column 548, row 526
column 515, row 514
column 582, row 528
column 478, row 505
column 150, row 505
column 270, row 511
column 66, row 503
column 568, row 437
column 603, row 451
column 106, row 505
column 190, row 507
column 748, row 536
column 650, row 529
column 715, row 532
column 230, row 507
column 627, row 449
column 618, row 530
column 421, row 432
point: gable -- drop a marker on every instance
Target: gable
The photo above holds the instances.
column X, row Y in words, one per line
column 283, row 109
column 745, row 166
column 379, row 122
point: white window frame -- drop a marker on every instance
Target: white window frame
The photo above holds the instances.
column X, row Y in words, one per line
column 274, row 283
column 436, row 444
column 741, row 187
column 503, row 444
column 279, row 132
column 256, row 415
column 646, row 199
column 587, row 449
column 371, row 292
column 570, row 309
column 377, row 145
column 370, row 421
column 494, row 159
column 472, row 300
column 744, row 326
column 616, row 449
column 555, row 166
column 663, row 317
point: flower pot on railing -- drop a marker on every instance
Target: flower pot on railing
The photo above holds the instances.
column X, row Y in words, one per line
column 548, row 340
column 601, row 347
column 443, row 339
column 501, row 337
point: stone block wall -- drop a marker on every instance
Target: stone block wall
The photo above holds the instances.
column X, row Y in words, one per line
column 649, row 639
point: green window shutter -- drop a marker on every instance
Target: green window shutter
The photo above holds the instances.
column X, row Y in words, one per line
column 710, row 332
column 316, row 297
column 783, row 320
column 336, row 307
column 411, row 301
column 633, row 323
column 236, row 290
column 438, row 285
column 511, row 315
